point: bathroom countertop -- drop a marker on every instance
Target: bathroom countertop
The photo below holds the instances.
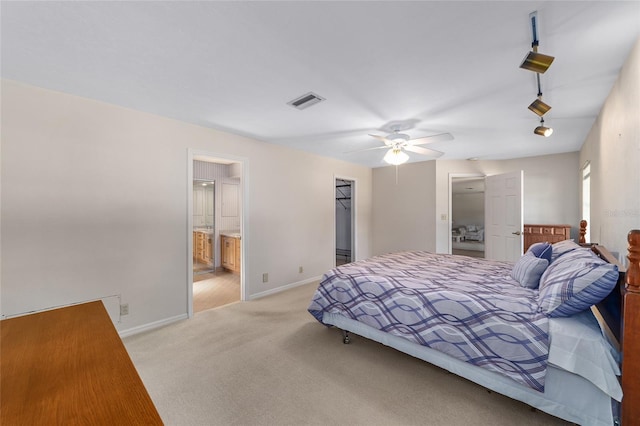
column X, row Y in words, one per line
column 231, row 233
column 205, row 230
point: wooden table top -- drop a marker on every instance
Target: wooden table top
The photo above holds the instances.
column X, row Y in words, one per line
column 69, row 366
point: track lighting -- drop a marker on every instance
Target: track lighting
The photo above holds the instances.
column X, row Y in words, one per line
column 534, row 61
column 542, row 130
column 538, row 106
column 396, row 156
column 538, row 63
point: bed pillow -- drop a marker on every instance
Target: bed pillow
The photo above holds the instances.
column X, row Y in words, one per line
column 563, row 247
column 528, row 270
column 541, row 250
column 574, row 282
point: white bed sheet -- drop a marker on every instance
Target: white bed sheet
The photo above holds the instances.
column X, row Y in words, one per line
column 577, row 345
column 567, row 395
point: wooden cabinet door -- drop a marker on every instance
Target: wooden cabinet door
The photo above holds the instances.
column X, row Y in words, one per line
column 231, row 250
column 224, row 256
column 230, row 253
column 208, row 249
column 237, row 255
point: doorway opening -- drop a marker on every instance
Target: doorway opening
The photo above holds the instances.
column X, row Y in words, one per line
column 215, row 219
column 467, row 215
column 344, row 240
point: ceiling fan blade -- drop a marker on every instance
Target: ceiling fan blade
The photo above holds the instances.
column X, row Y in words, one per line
column 424, row 151
column 442, row 137
column 382, row 138
column 367, row 149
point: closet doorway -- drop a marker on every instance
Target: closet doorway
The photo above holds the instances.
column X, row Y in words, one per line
column 466, row 213
column 344, row 221
column 215, row 224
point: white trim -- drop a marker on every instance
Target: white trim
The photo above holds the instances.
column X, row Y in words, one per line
column 152, row 325
column 190, row 233
column 284, row 287
column 244, row 229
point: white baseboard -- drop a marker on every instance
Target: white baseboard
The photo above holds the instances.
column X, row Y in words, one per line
column 167, row 321
column 151, row 325
column 283, row 288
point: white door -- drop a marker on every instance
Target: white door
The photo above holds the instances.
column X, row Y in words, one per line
column 503, row 216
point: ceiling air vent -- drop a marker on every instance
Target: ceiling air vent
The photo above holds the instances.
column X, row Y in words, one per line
column 305, row 101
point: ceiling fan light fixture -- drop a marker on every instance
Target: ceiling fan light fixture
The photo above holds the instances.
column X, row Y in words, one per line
column 537, row 62
column 539, row 107
column 396, row 156
column 541, row 130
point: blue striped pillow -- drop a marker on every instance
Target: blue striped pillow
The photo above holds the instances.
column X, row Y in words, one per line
column 528, row 270
column 541, row 250
column 574, row 282
column 563, row 247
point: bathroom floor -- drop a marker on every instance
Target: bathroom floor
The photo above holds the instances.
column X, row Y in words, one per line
column 211, row 290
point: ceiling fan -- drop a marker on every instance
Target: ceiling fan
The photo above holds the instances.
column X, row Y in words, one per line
column 397, row 143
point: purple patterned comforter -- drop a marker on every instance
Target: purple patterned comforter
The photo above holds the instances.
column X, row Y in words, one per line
column 468, row 308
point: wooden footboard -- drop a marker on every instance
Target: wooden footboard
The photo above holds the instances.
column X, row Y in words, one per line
column 631, row 335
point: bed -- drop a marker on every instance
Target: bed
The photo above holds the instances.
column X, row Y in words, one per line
column 547, row 336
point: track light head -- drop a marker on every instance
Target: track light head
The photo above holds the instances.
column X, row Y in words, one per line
column 539, row 107
column 541, row 130
column 536, row 62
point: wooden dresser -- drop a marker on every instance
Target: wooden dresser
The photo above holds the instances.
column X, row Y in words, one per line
column 545, row 233
column 69, row 366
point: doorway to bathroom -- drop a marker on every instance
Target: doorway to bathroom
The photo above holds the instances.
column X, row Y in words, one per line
column 215, row 223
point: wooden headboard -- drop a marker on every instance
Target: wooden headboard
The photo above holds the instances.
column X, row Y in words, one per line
column 620, row 312
column 631, row 334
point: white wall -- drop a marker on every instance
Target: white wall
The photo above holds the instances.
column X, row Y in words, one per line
column 94, row 203
column 403, row 212
column 613, row 149
column 414, row 213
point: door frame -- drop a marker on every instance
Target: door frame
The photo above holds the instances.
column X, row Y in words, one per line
column 450, row 213
column 354, row 222
column 244, row 229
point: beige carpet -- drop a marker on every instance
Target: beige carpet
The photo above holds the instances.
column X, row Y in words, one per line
column 268, row 362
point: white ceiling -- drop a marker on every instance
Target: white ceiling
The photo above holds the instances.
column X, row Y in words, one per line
column 450, row 66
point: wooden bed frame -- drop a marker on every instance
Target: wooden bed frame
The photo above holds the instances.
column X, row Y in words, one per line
column 631, row 333
column 621, row 313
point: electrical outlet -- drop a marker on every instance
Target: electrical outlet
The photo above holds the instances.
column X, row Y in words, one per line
column 300, row 270
column 265, row 277
column 124, row 309
column 443, row 216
